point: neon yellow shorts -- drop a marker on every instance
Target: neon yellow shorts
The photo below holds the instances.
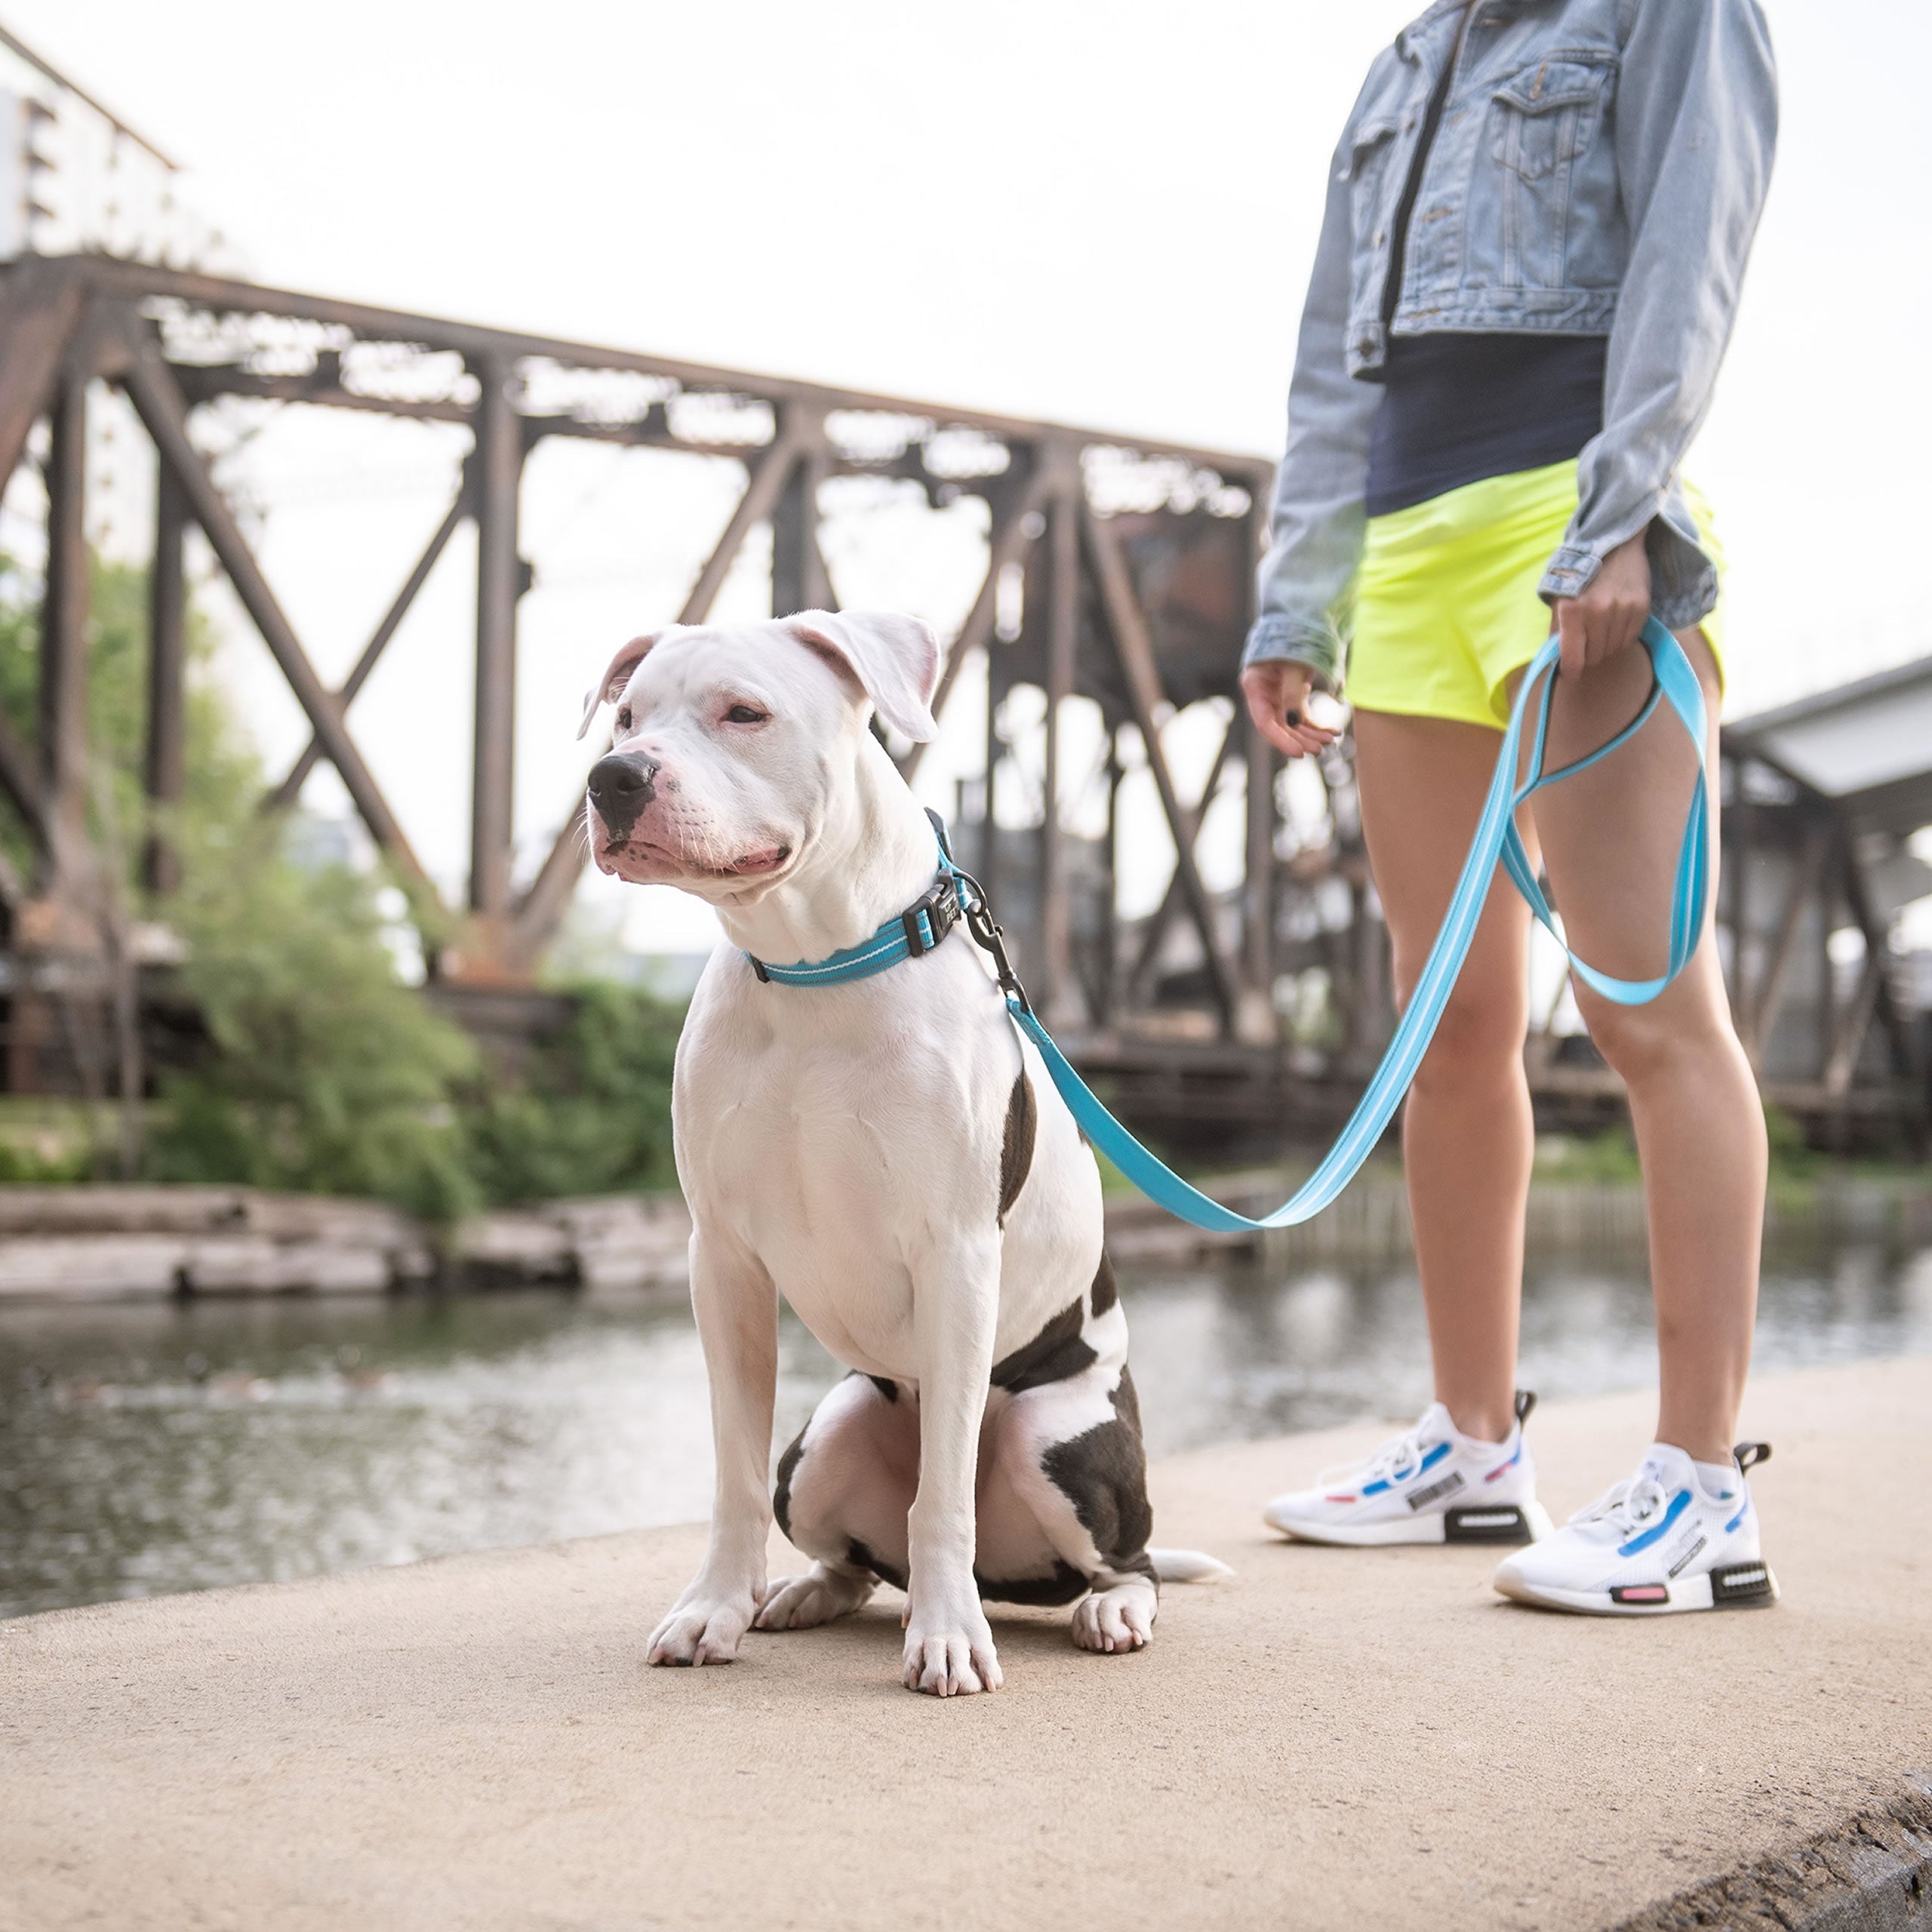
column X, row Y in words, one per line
column 1446, row 611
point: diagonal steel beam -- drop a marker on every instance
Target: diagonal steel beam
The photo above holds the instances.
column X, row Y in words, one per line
column 1134, row 648
column 1902, row 1036
column 1848, row 1035
column 542, row 906
column 1008, row 544
column 1157, row 926
column 1807, row 870
column 285, row 794
column 762, row 490
column 39, row 313
column 158, row 400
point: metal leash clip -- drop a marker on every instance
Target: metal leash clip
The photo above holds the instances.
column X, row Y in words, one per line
column 987, row 936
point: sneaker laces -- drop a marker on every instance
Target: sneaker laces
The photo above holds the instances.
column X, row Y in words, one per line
column 1627, row 1506
column 1395, row 1459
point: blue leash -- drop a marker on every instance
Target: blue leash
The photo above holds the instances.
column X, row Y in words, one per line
column 1497, row 842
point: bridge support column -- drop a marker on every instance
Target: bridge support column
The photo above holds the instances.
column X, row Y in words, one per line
column 63, row 667
column 799, row 578
column 497, row 473
column 167, row 663
column 1055, row 992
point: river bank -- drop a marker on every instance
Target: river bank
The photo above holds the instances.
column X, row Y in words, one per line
column 112, row 1243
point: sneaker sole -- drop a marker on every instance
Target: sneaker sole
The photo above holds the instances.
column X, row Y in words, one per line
column 1736, row 1586
column 1513, row 1524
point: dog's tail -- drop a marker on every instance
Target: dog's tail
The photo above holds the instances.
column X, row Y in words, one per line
column 1188, row 1566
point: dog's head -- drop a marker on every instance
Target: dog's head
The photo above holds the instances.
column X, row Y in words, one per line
column 733, row 744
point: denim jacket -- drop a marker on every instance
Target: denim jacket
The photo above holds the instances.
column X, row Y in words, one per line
column 1598, row 169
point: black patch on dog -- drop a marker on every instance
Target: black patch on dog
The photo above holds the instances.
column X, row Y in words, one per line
column 781, row 1494
column 1106, row 1289
column 1015, row 1142
column 858, row 1557
column 885, row 1386
column 1055, row 1353
column 1066, row 1585
column 1104, row 1474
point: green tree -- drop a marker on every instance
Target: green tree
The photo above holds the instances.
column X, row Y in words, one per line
column 322, row 1071
column 223, row 777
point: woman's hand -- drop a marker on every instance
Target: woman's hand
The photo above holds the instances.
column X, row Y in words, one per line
column 1277, row 694
column 1610, row 613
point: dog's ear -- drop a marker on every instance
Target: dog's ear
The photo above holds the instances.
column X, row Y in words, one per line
column 894, row 659
column 616, row 675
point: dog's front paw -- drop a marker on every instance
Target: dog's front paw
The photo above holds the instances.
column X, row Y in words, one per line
column 951, row 1656
column 702, row 1629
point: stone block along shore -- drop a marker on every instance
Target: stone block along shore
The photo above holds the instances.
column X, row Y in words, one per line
column 105, row 1243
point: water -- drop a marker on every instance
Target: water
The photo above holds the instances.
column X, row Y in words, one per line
column 145, row 1450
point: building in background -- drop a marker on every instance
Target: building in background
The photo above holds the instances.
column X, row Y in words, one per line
column 76, row 180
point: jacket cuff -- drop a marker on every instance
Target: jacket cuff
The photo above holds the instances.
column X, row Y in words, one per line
column 1684, row 581
column 1570, row 574
column 1276, row 638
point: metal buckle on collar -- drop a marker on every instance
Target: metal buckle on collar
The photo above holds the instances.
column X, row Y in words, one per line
column 940, row 904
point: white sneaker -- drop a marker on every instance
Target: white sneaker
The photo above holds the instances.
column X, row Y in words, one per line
column 1434, row 1485
column 1672, row 1538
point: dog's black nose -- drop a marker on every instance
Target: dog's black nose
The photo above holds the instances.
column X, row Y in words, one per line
column 622, row 783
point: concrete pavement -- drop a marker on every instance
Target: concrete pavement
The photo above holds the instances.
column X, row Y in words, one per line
column 1337, row 1739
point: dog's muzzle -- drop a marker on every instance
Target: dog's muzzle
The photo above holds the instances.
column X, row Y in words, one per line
column 622, row 783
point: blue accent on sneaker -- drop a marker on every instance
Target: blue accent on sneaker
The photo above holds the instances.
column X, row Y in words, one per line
column 1678, row 1504
column 1739, row 1517
column 1428, row 1461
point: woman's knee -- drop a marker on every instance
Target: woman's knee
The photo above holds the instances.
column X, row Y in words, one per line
column 1640, row 1042
column 1481, row 1031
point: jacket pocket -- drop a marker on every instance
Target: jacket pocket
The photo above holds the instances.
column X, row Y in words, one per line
column 1368, row 162
column 1369, row 206
column 1544, row 114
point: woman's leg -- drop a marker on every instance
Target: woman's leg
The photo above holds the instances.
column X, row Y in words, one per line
column 1610, row 838
column 1467, row 1136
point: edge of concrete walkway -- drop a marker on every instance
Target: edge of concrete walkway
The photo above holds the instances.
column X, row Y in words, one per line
column 1873, row 1873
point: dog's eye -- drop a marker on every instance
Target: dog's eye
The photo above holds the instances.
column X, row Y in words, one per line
column 624, row 719
column 746, row 714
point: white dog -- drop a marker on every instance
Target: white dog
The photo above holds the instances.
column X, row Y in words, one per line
column 885, row 1153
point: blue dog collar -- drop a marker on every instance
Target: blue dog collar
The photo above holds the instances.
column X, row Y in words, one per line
column 912, row 934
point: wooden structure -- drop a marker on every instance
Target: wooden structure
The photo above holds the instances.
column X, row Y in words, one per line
column 1233, row 1013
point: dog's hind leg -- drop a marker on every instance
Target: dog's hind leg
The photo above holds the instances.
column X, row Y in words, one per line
column 841, row 1494
column 1072, row 1449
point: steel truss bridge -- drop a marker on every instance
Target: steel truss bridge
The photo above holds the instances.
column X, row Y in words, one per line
column 1140, row 609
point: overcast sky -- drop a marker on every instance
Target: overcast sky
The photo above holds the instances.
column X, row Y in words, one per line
column 1104, row 215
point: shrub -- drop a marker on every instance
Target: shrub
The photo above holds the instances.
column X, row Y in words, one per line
column 324, row 1074
column 591, row 1112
